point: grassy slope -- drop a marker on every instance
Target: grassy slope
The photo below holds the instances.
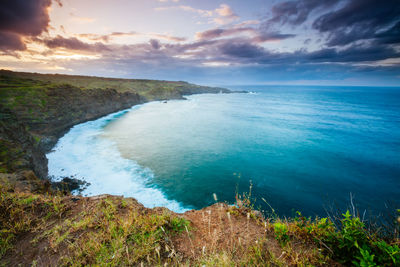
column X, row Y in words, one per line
column 55, row 230
column 28, row 93
column 151, row 89
column 27, row 98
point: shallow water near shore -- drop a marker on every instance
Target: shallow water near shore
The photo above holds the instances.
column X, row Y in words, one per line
column 302, row 148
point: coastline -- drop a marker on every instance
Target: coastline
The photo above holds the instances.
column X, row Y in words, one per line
column 96, row 166
column 71, row 175
column 55, row 107
column 47, row 227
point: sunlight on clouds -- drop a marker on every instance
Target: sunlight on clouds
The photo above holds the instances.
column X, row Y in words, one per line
column 225, row 11
column 124, row 38
column 184, row 56
column 385, row 63
column 55, row 68
column 34, row 63
column 81, row 20
column 202, row 12
column 226, row 15
column 216, row 64
column 75, row 56
column 8, row 58
column 247, row 23
column 222, row 15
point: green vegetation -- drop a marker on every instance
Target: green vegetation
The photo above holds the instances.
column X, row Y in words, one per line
column 114, row 231
column 107, row 231
column 281, row 233
column 21, row 213
column 149, row 89
column 350, row 242
column 112, row 237
column 28, row 98
column 91, row 82
column 9, row 157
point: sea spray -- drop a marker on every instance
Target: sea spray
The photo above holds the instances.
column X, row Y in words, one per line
column 85, row 154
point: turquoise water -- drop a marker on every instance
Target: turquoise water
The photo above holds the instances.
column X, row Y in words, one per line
column 303, row 148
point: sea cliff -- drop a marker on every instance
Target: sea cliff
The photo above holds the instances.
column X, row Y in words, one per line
column 37, row 109
column 41, row 225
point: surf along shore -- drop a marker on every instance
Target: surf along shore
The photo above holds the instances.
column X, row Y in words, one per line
column 42, row 224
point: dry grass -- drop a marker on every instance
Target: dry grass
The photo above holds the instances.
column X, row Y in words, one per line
column 53, row 230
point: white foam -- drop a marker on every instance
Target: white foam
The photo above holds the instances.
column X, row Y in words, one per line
column 83, row 153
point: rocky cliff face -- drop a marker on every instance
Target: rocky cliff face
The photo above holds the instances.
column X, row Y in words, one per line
column 24, row 139
column 68, row 106
column 36, row 110
column 19, row 150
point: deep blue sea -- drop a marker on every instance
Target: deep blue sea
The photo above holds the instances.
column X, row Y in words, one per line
column 302, row 148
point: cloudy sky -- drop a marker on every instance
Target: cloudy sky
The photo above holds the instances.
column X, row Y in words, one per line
column 330, row 42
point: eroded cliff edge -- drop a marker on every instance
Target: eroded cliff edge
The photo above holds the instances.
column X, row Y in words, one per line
column 37, row 109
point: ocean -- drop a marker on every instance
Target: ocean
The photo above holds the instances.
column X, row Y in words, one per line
column 299, row 148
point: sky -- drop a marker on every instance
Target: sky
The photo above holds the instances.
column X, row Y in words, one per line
column 212, row 42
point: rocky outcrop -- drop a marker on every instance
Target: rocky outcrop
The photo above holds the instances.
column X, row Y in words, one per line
column 19, row 151
column 68, row 105
column 24, row 141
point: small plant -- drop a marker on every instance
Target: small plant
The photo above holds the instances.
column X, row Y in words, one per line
column 387, row 254
column 281, row 233
column 178, row 224
column 352, row 238
column 365, row 259
column 352, row 243
column 353, row 233
column 244, row 201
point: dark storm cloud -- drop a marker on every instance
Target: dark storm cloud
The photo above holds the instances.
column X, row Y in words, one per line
column 296, row 12
column 220, row 32
column 272, row 36
column 343, row 21
column 245, row 50
column 11, row 41
column 390, row 36
column 155, row 44
column 353, row 54
column 20, row 18
column 235, row 51
column 241, row 50
column 28, row 17
column 74, row 44
column 258, row 36
column 359, row 20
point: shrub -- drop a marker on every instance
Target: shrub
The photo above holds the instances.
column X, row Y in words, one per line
column 352, row 243
column 281, row 233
